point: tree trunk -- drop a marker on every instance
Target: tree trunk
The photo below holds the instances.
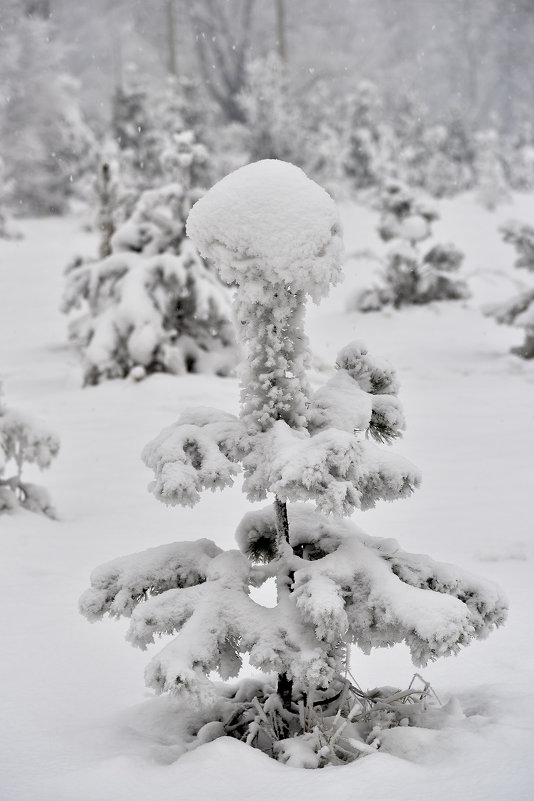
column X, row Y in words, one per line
column 285, row 684
column 281, row 30
column 171, row 39
column 284, row 688
column 282, row 523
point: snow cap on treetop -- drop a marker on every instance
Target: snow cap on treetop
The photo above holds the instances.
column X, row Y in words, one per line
column 268, row 223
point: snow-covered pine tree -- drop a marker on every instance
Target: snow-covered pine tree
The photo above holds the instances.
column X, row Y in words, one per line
column 491, row 187
column 45, row 141
column 321, row 145
column 23, row 441
column 409, row 123
column 155, row 137
column 152, row 304
column 183, row 157
column 411, row 276
column 272, row 120
column 519, row 310
column 275, row 235
column 444, row 176
column 133, row 131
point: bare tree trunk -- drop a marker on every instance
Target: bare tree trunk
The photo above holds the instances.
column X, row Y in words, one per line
column 281, row 30
column 222, row 44
column 282, row 523
column 171, row 38
column 116, row 51
column 105, row 216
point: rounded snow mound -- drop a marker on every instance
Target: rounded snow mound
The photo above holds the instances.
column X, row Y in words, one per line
column 268, row 223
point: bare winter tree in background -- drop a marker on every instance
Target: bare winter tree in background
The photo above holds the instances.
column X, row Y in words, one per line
column 222, row 42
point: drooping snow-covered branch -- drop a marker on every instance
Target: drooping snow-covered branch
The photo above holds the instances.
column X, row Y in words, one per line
column 199, row 451
column 118, row 586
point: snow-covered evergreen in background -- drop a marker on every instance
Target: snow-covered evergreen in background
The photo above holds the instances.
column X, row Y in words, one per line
column 45, row 142
column 411, row 276
column 23, row 441
column 7, row 229
column 518, row 155
column 186, row 159
column 152, row 305
column 519, row 310
column 444, row 175
column 490, row 181
column 147, row 127
column 410, row 124
column 272, row 120
column 275, row 236
column 368, row 142
column 132, row 130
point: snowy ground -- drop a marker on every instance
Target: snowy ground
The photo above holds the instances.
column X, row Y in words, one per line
column 77, row 723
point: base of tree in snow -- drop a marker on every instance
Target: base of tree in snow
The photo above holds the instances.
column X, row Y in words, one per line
column 275, row 236
column 348, row 587
column 24, row 441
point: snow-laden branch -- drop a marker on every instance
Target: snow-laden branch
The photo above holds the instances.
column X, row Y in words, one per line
column 118, row 586
column 197, row 452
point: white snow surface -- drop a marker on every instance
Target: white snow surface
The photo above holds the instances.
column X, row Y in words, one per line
column 77, row 723
column 269, row 220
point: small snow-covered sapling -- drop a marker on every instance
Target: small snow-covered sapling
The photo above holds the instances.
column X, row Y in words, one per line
column 411, row 276
column 152, row 304
column 317, row 456
column 24, row 440
column 519, row 310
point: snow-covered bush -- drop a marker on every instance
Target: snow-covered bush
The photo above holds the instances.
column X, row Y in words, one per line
column 152, row 305
column 411, row 276
column 519, row 310
column 275, row 235
column 23, row 440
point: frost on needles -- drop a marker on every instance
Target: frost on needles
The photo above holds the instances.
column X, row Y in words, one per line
column 316, row 456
